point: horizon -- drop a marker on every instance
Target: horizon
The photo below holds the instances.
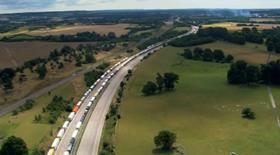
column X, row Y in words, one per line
column 103, row 10
column 26, row 6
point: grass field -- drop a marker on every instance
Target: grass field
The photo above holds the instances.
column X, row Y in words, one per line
column 204, row 111
column 252, row 53
column 231, row 26
column 119, row 29
column 39, row 134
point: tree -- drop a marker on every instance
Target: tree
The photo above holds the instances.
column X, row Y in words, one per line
column 89, row 58
column 169, row 80
column 229, row 58
column 207, row 55
column 149, row 88
column 165, row 140
column 14, row 146
column 271, row 73
column 160, row 82
column 197, row 53
column 218, row 55
column 6, row 78
column 253, row 74
column 237, row 73
column 248, row 113
column 91, row 77
column 42, row 71
column 187, row 54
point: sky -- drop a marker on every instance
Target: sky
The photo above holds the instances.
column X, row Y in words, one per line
column 11, row 6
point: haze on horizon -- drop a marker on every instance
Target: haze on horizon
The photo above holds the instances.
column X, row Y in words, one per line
column 15, row 6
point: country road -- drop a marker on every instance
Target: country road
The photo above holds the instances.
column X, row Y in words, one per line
column 271, row 98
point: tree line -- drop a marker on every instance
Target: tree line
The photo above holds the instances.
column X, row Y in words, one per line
column 78, row 37
column 191, row 40
column 167, row 35
column 253, row 35
column 241, row 72
column 163, row 82
column 207, row 54
column 273, row 39
column 246, row 34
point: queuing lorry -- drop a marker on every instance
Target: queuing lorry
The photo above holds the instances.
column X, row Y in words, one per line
column 71, row 116
column 55, row 143
column 60, row 133
column 65, row 125
column 79, row 124
column 51, row 151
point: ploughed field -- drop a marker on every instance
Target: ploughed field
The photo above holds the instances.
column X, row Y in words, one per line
column 232, row 26
column 204, row 111
column 14, row 54
column 119, row 29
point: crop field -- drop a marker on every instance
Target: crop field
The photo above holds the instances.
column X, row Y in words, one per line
column 204, row 111
column 231, row 26
column 119, row 29
column 33, row 83
column 14, row 54
column 252, row 53
column 264, row 19
column 180, row 29
column 39, row 134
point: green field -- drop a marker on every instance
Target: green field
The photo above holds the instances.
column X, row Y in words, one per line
column 38, row 134
column 204, row 111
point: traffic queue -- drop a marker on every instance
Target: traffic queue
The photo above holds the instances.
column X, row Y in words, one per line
column 109, row 74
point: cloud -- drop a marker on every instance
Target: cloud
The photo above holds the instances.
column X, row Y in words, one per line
column 61, row 5
column 25, row 4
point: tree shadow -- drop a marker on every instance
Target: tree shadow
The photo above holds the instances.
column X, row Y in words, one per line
column 159, row 151
column 176, row 150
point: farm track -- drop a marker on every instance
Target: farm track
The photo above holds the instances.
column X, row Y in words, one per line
column 273, row 103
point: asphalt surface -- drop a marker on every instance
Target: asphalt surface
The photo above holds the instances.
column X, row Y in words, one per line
column 92, row 135
column 72, row 126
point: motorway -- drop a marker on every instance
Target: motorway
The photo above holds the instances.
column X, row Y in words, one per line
column 91, row 137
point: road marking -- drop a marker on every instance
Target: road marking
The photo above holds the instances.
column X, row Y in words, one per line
column 271, row 98
column 278, row 121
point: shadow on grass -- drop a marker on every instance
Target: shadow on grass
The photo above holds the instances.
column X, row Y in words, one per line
column 173, row 151
column 159, row 151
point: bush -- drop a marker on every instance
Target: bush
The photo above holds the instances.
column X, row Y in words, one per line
column 248, row 114
column 103, row 66
column 14, row 146
column 149, row 88
column 91, row 77
column 165, row 140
